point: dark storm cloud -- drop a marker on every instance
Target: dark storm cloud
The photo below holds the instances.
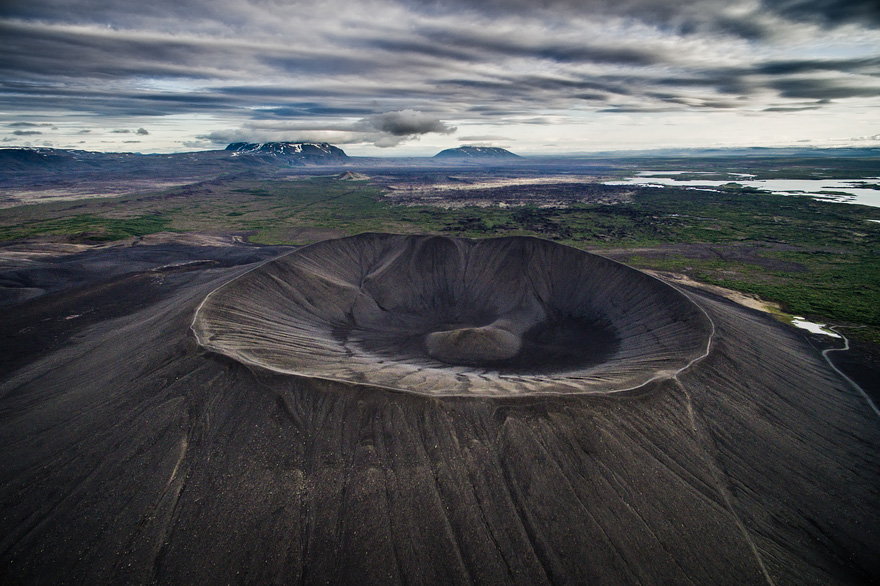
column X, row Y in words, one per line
column 273, row 92
column 321, row 64
column 482, row 45
column 108, row 101
column 308, row 111
column 636, row 110
column 827, row 11
column 819, row 80
column 724, row 80
column 36, row 51
column 868, row 66
column 791, row 108
column 406, row 123
column 511, row 88
column 591, row 97
column 297, row 101
column 553, row 92
column 26, row 132
column 822, row 89
column 419, row 47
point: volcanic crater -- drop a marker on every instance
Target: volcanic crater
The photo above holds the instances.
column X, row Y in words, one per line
column 444, row 316
column 133, row 456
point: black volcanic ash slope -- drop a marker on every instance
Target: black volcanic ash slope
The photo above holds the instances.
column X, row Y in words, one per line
column 132, row 455
column 473, row 152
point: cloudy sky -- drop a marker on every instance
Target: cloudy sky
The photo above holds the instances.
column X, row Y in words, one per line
column 410, row 77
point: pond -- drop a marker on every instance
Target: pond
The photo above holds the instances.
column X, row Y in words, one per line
column 813, row 327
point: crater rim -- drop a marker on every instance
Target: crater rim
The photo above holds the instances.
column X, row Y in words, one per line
column 218, row 316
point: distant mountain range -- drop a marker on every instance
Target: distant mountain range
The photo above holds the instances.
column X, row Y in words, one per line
column 474, row 152
column 25, row 167
column 22, row 167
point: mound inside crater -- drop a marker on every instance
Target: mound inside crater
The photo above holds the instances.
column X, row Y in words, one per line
column 436, row 315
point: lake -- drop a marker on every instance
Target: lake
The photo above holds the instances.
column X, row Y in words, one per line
column 807, row 187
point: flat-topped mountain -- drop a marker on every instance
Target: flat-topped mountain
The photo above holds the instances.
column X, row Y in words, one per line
column 475, row 152
column 307, row 151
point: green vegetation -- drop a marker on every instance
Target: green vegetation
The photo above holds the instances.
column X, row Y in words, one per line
column 88, row 227
column 817, row 259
